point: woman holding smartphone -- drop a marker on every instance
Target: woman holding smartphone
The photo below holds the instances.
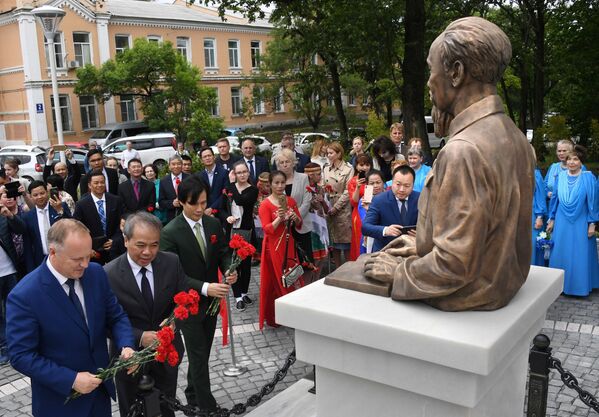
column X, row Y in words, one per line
column 278, row 213
column 355, row 188
column 375, row 186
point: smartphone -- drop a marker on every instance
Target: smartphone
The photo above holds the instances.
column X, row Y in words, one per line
column 405, row 229
column 361, row 175
column 54, row 193
column 283, row 202
column 368, row 193
column 60, row 148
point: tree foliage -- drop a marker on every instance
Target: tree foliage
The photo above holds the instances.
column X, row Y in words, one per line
column 168, row 87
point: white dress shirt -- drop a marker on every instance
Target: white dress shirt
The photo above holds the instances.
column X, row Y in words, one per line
column 62, row 280
column 136, row 269
column 41, row 222
column 192, row 224
column 103, row 199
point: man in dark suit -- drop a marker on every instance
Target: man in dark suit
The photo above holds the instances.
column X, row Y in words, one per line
column 169, row 185
column 215, row 177
column 95, row 158
column 38, row 221
column 9, row 262
column 288, row 142
column 69, row 171
column 137, row 193
column 58, row 319
column 200, row 243
column 256, row 164
column 392, row 210
column 101, row 213
column 145, row 281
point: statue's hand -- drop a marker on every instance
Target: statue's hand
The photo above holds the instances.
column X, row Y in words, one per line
column 403, row 246
column 381, row 267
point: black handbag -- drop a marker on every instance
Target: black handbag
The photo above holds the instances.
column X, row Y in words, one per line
column 291, row 275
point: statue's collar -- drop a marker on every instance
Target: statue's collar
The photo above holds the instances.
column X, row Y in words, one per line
column 482, row 108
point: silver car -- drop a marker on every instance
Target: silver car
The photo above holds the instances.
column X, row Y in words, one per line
column 31, row 163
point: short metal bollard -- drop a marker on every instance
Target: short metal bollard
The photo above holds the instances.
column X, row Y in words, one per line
column 538, row 382
column 149, row 397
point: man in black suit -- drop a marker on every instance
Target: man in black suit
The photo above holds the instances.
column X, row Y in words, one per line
column 137, row 193
column 200, row 243
column 288, row 142
column 145, row 281
column 256, row 164
column 169, row 185
column 215, row 177
column 38, row 221
column 70, row 171
column 95, row 158
column 101, row 213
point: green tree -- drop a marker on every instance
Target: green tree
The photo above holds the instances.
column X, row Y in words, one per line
column 168, row 87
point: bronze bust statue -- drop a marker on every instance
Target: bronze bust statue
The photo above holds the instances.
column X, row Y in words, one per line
column 473, row 241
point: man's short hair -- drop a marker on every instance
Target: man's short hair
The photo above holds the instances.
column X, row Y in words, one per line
column 133, row 160
column 141, row 218
column 248, row 139
column 93, row 152
column 404, row 169
column 287, row 135
column 94, row 173
column 223, row 140
column 60, row 230
column 190, row 189
column 186, row 158
column 415, row 151
column 55, row 180
column 482, row 47
column 35, row 184
column 175, row 157
column 205, row 148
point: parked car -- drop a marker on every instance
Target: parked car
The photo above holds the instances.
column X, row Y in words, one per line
column 79, row 155
column 306, row 140
column 232, row 131
column 22, row 148
column 31, row 163
column 433, row 140
column 262, row 144
column 153, row 148
column 109, row 133
column 352, row 132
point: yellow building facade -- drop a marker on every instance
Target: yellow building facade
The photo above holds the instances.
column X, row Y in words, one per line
column 94, row 32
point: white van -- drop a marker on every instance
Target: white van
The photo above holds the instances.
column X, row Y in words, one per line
column 153, row 148
column 113, row 131
column 433, row 140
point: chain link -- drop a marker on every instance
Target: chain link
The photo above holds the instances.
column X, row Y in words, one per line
column 571, row 382
column 239, row 408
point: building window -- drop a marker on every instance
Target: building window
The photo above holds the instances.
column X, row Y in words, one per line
column 122, row 42
column 183, row 48
column 365, row 100
column 65, row 112
column 255, row 52
column 257, row 99
column 351, row 100
column 236, row 109
column 330, row 101
column 209, row 53
column 315, row 59
column 215, row 111
column 89, row 112
column 83, row 48
column 234, row 54
column 128, row 108
column 279, row 100
column 58, row 48
column 154, row 38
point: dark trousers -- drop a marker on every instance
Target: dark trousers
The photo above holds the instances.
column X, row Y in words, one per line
column 198, row 332
column 244, row 273
column 165, row 380
column 7, row 283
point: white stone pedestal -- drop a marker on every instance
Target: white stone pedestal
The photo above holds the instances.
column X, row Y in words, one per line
column 379, row 357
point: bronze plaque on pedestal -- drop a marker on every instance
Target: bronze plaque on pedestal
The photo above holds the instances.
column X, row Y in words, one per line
column 350, row 275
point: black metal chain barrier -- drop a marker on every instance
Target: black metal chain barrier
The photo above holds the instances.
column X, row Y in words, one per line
column 239, row 408
column 540, row 362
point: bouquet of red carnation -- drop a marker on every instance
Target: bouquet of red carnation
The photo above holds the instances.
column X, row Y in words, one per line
column 241, row 250
column 150, row 209
column 162, row 349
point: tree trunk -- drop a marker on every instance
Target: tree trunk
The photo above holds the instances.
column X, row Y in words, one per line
column 334, row 71
column 413, row 70
column 524, row 88
column 539, row 67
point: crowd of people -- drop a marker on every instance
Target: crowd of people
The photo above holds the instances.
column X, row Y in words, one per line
column 151, row 237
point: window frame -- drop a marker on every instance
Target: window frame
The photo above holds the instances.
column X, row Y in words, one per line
column 255, row 54
column 82, row 61
column 60, row 53
column 186, row 50
column 121, row 50
column 234, row 104
column 126, row 101
column 236, row 54
column 214, row 55
column 215, row 110
column 66, row 127
column 154, row 38
column 85, row 108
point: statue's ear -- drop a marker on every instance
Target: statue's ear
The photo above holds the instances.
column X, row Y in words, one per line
column 457, row 74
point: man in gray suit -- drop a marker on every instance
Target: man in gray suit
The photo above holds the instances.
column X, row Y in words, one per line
column 145, row 281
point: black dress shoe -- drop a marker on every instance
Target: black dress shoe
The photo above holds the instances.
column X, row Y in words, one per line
column 240, row 306
column 247, row 300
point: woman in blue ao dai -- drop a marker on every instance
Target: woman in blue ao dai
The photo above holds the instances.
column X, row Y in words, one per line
column 572, row 218
column 539, row 211
column 563, row 148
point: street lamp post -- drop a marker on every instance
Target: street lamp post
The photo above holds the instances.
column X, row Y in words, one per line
column 49, row 18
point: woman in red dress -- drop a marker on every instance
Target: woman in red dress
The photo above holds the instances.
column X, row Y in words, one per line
column 355, row 188
column 274, row 218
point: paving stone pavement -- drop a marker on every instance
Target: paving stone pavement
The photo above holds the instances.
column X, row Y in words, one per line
column 571, row 323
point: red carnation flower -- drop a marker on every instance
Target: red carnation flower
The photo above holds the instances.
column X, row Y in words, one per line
column 177, row 181
column 194, row 309
column 181, row 313
column 214, row 211
column 160, row 356
column 173, row 358
column 194, row 296
column 165, row 336
column 213, row 239
column 150, row 209
column 236, row 241
column 181, row 298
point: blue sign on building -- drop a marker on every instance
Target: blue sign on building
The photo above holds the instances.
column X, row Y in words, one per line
column 39, row 107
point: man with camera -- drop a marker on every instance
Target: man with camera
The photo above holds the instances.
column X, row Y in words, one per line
column 69, row 171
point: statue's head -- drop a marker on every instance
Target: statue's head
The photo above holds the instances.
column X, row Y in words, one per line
column 470, row 50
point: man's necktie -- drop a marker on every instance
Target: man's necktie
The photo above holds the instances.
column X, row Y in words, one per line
column 74, row 298
column 198, row 232
column 404, row 213
column 252, row 172
column 136, row 189
column 146, row 290
column 102, row 214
